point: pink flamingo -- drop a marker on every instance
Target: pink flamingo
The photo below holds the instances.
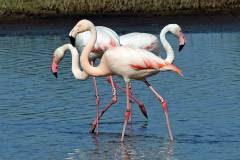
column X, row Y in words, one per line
column 151, row 42
column 107, row 38
column 129, row 63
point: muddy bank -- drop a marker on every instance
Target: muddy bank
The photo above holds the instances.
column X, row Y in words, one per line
column 48, row 8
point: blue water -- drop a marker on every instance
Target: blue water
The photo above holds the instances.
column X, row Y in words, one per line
column 46, row 118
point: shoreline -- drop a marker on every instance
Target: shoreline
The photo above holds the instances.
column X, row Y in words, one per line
column 21, row 25
column 185, row 12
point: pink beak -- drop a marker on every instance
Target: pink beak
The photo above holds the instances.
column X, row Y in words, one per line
column 54, row 68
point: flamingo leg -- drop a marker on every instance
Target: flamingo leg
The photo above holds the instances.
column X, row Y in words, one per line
column 140, row 104
column 164, row 106
column 114, row 100
column 130, row 102
column 97, row 99
column 128, row 111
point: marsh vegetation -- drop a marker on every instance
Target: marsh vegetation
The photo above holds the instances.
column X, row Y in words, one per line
column 114, row 7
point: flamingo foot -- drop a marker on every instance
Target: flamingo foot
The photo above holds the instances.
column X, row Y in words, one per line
column 93, row 127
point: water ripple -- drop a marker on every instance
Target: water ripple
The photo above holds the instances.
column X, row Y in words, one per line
column 51, row 117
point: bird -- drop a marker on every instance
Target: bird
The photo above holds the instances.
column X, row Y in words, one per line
column 107, row 39
column 151, row 43
column 58, row 55
column 127, row 62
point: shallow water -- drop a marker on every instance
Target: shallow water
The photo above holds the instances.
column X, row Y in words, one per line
column 46, row 118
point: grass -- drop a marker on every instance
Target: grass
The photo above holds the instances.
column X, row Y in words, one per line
column 113, row 7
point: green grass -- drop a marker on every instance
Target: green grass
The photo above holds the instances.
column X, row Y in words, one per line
column 113, row 7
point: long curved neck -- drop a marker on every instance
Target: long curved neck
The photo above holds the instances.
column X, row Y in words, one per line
column 77, row 72
column 166, row 45
column 91, row 70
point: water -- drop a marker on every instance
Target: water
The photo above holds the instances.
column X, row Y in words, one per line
column 46, row 118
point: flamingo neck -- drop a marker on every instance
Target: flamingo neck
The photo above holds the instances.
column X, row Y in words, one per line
column 91, row 70
column 77, row 72
column 166, row 45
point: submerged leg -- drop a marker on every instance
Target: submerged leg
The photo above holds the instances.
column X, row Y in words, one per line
column 97, row 99
column 164, row 106
column 114, row 100
column 127, row 113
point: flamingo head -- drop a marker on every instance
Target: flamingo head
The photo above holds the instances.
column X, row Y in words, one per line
column 81, row 26
column 177, row 31
column 55, row 63
column 182, row 40
column 57, row 57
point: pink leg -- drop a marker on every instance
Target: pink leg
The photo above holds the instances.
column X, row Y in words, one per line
column 140, row 104
column 97, row 99
column 127, row 113
column 114, row 100
column 164, row 106
column 130, row 103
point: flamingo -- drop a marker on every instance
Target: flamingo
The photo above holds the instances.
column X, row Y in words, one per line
column 128, row 63
column 151, row 42
column 107, row 38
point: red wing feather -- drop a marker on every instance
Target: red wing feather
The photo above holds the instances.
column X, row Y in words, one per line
column 148, row 65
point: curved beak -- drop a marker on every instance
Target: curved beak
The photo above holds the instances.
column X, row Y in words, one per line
column 182, row 41
column 181, row 47
column 55, row 74
column 72, row 40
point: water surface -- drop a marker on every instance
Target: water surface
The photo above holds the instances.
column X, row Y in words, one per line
column 46, row 118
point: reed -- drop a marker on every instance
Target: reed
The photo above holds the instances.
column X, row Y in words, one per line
column 113, row 7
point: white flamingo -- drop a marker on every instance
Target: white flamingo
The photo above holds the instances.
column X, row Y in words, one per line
column 151, row 43
column 129, row 63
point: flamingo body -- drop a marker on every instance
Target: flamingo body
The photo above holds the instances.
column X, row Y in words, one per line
column 132, row 63
column 146, row 41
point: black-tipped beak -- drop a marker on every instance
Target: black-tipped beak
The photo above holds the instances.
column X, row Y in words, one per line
column 181, row 47
column 72, row 40
column 55, row 74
